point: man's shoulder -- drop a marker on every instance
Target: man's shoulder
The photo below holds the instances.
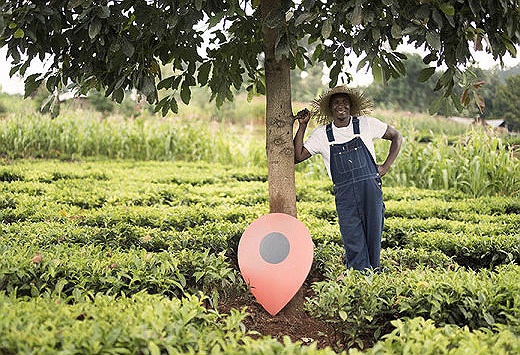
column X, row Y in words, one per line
column 370, row 120
column 319, row 129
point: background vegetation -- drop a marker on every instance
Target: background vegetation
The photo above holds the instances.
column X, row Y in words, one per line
column 120, row 229
column 437, row 153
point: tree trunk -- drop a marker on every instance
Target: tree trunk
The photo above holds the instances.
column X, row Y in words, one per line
column 279, row 135
column 279, row 121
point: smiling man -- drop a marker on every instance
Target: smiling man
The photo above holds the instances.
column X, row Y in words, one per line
column 345, row 141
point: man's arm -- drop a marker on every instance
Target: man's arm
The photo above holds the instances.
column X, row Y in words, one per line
column 396, row 138
column 300, row 153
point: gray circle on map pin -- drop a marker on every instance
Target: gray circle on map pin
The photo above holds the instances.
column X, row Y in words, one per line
column 274, row 248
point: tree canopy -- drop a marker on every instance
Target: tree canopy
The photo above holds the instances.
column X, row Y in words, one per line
column 120, row 45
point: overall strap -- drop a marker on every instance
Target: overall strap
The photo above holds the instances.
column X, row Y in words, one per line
column 355, row 122
column 330, row 135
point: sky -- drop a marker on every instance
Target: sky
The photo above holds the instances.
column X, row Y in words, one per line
column 15, row 85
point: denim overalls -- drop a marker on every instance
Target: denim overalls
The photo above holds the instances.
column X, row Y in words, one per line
column 359, row 200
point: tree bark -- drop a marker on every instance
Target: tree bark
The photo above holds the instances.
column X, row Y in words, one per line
column 279, row 135
column 279, row 121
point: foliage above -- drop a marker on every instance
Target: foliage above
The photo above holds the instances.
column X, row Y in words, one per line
column 121, row 45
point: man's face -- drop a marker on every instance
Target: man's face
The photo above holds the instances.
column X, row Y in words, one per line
column 340, row 107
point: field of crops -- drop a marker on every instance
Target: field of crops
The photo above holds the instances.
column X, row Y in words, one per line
column 135, row 255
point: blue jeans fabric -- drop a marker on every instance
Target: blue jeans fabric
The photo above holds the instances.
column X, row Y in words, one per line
column 359, row 203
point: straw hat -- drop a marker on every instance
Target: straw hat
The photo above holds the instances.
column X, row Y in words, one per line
column 359, row 104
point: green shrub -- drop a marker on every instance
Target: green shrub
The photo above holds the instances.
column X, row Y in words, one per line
column 361, row 304
column 141, row 324
column 420, row 336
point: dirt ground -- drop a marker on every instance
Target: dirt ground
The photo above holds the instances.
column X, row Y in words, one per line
column 292, row 321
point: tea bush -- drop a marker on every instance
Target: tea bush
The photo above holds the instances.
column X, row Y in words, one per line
column 84, row 233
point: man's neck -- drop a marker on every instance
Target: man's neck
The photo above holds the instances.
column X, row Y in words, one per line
column 338, row 122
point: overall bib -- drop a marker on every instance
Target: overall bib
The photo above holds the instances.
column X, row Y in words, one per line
column 359, row 200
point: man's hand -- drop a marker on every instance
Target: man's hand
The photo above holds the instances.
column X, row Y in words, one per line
column 303, row 116
column 382, row 170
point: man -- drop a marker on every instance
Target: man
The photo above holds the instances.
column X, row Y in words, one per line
column 345, row 141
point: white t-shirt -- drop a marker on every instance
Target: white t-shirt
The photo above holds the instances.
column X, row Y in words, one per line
column 370, row 128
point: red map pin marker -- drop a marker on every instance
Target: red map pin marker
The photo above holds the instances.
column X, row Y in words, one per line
column 275, row 256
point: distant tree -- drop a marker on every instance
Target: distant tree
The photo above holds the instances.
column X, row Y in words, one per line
column 305, row 84
column 508, row 101
column 100, row 103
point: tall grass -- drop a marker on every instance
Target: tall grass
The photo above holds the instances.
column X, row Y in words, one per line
column 471, row 160
column 478, row 163
column 80, row 135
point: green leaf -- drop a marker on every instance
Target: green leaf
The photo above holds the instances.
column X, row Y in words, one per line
column 14, row 70
column 433, row 40
column 299, row 61
column 19, row 33
column 175, row 109
column 52, row 82
column 185, row 92
column 475, row 7
column 74, row 3
column 317, row 52
column 457, row 102
column 104, row 12
column 165, row 83
column 282, row 48
column 326, row 28
column 396, row 31
column 302, row 18
column 489, row 318
column 153, row 348
column 251, row 92
column 334, row 73
column 31, row 84
column 203, row 74
column 510, row 47
column 118, row 95
column 362, row 63
column 215, row 19
column 426, row 74
column 377, row 71
column 198, row 5
column 357, row 15
column 128, row 48
column 448, row 9
column 94, row 29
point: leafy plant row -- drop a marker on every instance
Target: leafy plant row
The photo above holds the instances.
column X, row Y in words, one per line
column 71, row 272
column 138, row 324
column 360, row 304
column 472, row 248
column 422, row 336
column 467, row 249
column 169, row 182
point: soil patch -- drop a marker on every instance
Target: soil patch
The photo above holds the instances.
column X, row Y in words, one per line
column 292, row 321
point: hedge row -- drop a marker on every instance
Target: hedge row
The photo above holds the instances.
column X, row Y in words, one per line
column 361, row 303
column 140, row 324
column 420, row 336
column 74, row 272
